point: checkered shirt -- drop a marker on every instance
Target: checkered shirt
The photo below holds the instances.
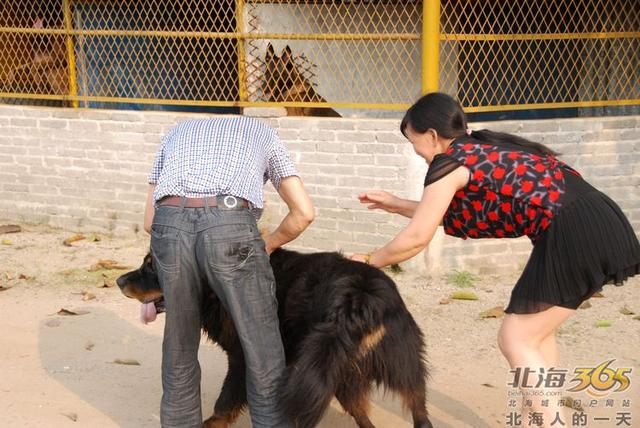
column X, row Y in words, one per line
column 220, row 156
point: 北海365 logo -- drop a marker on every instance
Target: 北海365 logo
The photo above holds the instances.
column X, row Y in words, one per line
column 599, row 381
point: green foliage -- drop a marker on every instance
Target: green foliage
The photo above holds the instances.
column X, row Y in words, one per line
column 395, row 268
column 462, row 278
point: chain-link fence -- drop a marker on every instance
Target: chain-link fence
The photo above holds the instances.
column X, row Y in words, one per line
column 492, row 54
column 541, row 54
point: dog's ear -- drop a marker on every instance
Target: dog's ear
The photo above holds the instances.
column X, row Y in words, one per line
column 286, row 54
column 148, row 261
column 270, row 52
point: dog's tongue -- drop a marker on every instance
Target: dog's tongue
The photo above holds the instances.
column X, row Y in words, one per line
column 148, row 312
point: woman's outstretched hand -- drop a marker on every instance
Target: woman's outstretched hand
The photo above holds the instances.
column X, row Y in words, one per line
column 381, row 200
column 363, row 258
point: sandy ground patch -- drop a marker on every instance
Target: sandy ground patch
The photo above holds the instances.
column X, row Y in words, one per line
column 58, row 371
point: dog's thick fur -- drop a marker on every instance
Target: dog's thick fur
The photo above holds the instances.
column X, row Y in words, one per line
column 344, row 327
column 283, row 82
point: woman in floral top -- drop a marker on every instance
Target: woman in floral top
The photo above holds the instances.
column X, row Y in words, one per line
column 485, row 184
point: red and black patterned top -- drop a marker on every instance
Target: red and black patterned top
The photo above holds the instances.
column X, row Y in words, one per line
column 511, row 191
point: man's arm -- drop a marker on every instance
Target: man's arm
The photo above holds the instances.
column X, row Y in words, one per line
column 149, row 209
column 301, row 213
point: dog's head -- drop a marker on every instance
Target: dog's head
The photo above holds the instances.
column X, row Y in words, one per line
column 142, row 284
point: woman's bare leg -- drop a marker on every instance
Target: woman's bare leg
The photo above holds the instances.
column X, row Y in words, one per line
column 528, row 341
column 549, row 349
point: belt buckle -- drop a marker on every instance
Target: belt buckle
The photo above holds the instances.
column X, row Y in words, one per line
column 230, row 201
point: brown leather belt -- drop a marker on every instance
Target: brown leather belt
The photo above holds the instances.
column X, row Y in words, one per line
column 225, row 202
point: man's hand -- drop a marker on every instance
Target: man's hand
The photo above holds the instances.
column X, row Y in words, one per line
column 268, row 246
column 268, row 241
column 149, row 209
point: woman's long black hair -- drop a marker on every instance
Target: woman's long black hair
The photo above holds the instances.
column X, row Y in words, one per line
column 444, row 114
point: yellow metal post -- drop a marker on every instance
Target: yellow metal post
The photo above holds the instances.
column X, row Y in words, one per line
column 71, row 55
column 430, row 45
column 242, row 77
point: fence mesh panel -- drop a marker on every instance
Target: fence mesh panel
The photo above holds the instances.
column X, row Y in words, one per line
column 355, row 54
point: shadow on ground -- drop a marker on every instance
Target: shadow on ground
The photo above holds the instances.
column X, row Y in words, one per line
column 79, row 353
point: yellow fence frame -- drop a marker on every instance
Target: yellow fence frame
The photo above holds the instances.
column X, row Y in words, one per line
column 431, row 38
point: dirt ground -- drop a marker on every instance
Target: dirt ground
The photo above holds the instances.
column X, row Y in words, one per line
column 59, row 370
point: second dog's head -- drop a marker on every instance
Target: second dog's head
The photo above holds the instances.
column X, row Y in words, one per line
column 142, row 284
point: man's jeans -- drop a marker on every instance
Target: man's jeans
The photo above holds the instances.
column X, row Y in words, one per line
column 224, row 249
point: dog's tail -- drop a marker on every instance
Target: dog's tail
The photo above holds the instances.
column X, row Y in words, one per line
column 331, row 347
column 311, row 382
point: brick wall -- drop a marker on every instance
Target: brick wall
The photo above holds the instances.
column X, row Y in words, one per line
column 86, row 170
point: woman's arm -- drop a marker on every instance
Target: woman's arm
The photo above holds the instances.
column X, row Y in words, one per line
column 427, row 216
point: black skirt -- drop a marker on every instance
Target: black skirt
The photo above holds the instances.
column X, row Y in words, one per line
column 589, row 243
